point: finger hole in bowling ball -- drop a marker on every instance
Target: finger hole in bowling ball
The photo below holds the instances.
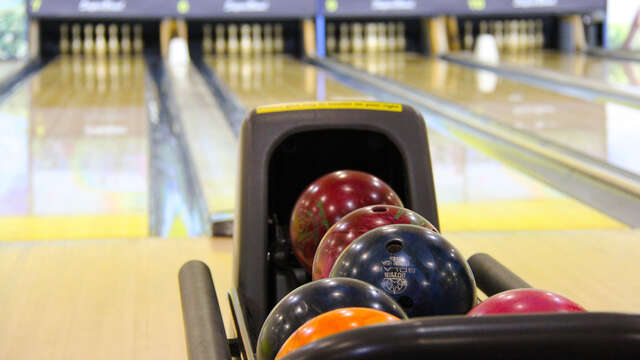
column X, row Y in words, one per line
column 379, row 209
column 405, row 302
column 394, row 246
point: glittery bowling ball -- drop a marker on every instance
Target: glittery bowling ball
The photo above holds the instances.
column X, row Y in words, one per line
column 326, row 201
column 354, row 224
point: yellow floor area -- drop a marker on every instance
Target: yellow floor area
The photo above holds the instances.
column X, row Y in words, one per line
column 119, row 299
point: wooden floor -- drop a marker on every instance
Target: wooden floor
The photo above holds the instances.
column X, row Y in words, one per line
column 119, row 299
column 592, row 128
column 100, row 299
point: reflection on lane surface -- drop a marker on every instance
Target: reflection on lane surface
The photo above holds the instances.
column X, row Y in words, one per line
column 594, row 129
column 618, row 73
column 474, row 192
column 76, row 152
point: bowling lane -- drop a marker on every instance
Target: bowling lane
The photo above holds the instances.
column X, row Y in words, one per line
column 475, row 192
column 604, row 130
column 624, row 74
column 204, row 127
column 76, row 152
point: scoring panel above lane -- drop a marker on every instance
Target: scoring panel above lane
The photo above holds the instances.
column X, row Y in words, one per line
column 184, row 8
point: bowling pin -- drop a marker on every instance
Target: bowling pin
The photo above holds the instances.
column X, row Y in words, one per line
column 514, row 37
column 483, row 27
column 331, row 38
column 245, row 39
column 357, row 42
column 138, row 42
column 268, row 38
column 232, row 43
column 382, row 37
column 64, row 39
column 256, row 32
column 391, row 37
column 207, row 39
column 278, row 38
column 401, row 41
column 113, row 43
column 468, row 36
column 88, row 39
column 343, row 42
column 523, row 36
column 125, row 41
column 531, row 34
column 498, row 34
column 539, row 43
column 101, row 41
column 76, row 39
column 371, row 37
column 221, row 43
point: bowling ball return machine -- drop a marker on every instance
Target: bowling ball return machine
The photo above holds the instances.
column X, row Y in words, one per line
column 283, row 148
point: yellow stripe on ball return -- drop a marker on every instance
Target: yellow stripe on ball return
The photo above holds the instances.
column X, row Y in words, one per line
column 330, row 105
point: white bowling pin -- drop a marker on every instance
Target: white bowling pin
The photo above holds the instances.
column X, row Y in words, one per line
column 382, row 37
column 523, row 36
column 278, row 38
column 401, row 40
column 221, row 43
column 357, row 41
column 499, row 35
column 207, row 39
column 468, row 36
column 101, row 41
column 113, row 43
column 330, row 41
column 256, row 32
column 245, row 39
column 125, row 41
column 88, row 39
column 371, row 37
column 64, row 39
column 483, row 27
column 76, row 39
column 391, row 37
column 232, row 43
column 138, row 42
column 343, row 42
column 531, row 34
column 539, row 43
column 268, row 38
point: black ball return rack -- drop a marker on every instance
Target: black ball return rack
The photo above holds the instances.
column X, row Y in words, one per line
column 283, row 149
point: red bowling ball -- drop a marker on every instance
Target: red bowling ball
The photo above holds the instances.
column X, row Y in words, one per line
column 326, row 201
column 356, row 223
column 524, row 301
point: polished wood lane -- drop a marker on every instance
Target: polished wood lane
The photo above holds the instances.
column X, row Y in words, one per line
column 604, row 131
column 101, row 299
column 212, row 144
column 77, row 140
column 475, row 192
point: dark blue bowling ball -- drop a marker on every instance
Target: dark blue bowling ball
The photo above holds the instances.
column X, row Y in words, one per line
column 417, row 267
column 313, row 299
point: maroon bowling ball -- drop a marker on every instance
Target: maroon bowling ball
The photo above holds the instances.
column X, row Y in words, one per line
column 326, row 201
column 354, row 224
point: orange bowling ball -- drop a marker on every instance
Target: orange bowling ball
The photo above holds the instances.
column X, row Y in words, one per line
column 330, row 323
